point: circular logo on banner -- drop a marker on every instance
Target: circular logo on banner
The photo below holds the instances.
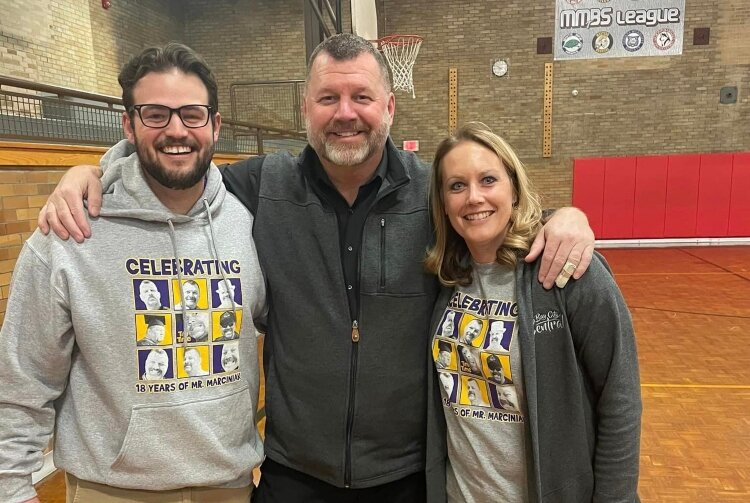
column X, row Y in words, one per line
column 664, row 39
column 572, row 43
column 602, row 42
column 632, row 41
column 574, row 2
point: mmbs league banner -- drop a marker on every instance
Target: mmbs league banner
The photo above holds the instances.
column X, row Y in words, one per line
column 590, row 29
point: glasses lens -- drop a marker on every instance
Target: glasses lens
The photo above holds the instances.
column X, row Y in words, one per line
column 155, row 115
column 194, row 115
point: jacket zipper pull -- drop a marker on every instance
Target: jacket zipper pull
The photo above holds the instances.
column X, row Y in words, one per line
column 355, row 331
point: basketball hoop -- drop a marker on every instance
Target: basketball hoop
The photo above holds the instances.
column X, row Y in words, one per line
column 401, row 52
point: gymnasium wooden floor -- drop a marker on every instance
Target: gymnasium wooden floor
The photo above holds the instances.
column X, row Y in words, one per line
column 691, row 309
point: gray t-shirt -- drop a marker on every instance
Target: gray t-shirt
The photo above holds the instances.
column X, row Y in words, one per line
column 479, row 366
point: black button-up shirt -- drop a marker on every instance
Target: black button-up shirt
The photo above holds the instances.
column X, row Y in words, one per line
column 351, row 220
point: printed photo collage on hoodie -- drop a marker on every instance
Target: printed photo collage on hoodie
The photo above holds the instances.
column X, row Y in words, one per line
column 198, row 339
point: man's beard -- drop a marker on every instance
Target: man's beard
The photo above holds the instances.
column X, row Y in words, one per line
column 174, row 180
column 348, row 155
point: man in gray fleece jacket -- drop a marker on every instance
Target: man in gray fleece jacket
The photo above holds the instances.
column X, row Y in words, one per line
column 134, row 423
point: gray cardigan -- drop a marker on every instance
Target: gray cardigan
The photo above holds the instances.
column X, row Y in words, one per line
column 583, row 401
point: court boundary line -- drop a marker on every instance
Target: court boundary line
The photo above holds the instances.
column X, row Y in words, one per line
column 697, row 386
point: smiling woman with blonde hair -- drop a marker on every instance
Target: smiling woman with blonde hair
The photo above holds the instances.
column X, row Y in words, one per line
column 446, row 257
column 568, row 355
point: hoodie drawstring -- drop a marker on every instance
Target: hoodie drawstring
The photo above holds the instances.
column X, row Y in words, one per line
column 218, row 258
column 179, row 270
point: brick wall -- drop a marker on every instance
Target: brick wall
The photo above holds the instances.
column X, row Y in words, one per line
column 125, row 29
column 624, row 106
column 22, row 194
column 76, row 43
column 248, row 40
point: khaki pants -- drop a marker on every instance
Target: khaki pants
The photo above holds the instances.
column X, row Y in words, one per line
column 81, row 491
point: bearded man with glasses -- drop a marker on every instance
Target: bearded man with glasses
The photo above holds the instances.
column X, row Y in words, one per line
column 69, row 347
column 173, row 153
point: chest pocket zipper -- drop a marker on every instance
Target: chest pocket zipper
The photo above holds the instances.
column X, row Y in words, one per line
column 382, row 255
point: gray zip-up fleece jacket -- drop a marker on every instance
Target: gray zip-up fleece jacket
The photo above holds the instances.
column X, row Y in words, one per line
column 94, row 347
column 583, row 400
column 349, row 412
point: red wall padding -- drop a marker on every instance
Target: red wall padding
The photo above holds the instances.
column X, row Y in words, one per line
column 619, row 197
column 714, row 190
column 680, row 196
column 650, row 197
column 739, row 206
column 588, row 190
column 683, row 174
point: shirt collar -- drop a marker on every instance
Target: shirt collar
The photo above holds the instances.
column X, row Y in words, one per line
column 320, row 177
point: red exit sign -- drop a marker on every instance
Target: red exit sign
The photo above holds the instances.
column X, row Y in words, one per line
column 411, row 145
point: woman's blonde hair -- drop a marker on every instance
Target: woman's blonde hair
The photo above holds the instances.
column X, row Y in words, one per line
column 448, row 257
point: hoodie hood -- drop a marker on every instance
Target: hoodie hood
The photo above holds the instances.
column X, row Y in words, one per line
column 126, row 192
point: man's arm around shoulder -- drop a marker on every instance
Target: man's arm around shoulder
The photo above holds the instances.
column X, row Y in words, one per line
column 64, row 212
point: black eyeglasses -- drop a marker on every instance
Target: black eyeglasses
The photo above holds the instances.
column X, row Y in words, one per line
column 158, row 116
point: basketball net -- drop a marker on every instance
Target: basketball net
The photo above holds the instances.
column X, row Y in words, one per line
column 401, row 52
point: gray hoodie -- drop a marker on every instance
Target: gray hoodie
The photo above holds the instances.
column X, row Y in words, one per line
column 139, row 392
